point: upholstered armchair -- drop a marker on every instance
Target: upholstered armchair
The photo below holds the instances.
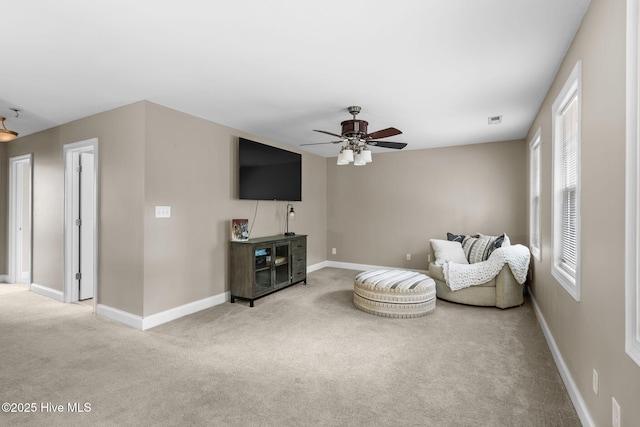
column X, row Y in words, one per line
column 469, row 254
column 502, row 291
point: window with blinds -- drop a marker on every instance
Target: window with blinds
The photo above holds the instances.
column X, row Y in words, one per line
column 632, row 191
column 566, row 184
column 534, row 194
column 569, row 141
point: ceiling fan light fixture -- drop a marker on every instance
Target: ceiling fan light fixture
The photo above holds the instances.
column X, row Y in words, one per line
column 366, row 155
column 341, row 161
column 6, row 135
column 347, row 155
column 359, row 160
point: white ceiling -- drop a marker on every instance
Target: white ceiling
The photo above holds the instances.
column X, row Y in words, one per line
column 279, row 69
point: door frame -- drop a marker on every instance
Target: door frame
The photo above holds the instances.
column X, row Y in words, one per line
column 86, row 146
column 16, row 200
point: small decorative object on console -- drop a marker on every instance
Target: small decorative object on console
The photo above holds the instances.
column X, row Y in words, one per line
column 239, row 229
column 291, row 214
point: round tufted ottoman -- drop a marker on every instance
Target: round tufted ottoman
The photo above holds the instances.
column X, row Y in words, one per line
column 394, row 293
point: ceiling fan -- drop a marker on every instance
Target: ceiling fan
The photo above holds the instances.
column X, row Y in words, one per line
column 356, row 139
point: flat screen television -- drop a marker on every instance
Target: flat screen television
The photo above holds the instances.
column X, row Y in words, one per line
column 268, row 173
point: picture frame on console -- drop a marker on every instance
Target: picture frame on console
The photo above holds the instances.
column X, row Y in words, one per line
column 239, row 230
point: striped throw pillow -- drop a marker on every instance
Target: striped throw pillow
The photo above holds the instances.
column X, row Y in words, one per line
column 477, row 248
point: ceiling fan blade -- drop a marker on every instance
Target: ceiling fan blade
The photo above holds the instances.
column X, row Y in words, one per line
column 321, row 143
column 384, row 133
column 387, row 144
column 328, row 133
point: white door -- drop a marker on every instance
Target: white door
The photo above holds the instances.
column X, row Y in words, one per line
column 87, row 203
column 82, row 205
column 20, row 219
column 80, row 221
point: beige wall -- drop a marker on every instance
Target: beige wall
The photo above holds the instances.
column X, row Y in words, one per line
column 47, row 206
column 185, row 257
column 121, row 201
column 380, row 212
column 590, row 333
column 148, row 265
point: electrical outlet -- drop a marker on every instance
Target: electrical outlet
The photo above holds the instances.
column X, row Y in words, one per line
column 595, row 382
column 615, row 413
column 333, row 251
column 408, row 257
column 163, row 211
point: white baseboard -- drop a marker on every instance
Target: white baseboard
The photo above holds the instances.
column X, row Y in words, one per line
column 47, row 292
column 349, row 266
column 365, row 267
column 148, row 322
column 25, row 277
column 184, row 310
column 316, row 267
column 128, row 319
column 352, row 266
column 144, row 323
column 569, row 383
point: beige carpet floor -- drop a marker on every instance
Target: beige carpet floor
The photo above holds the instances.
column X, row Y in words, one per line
column 301, row 357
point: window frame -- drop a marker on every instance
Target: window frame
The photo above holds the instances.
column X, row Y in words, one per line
column 535, row 169
column 567, row 276
column 632, row 188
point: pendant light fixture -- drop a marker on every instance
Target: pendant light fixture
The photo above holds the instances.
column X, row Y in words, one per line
column 7, row 135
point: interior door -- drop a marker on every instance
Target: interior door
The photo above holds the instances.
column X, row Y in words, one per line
column 19, row 265
column 80, row 221
column 82, row 204
column 24, row 266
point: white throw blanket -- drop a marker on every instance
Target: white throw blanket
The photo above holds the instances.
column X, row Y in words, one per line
column 460, row 276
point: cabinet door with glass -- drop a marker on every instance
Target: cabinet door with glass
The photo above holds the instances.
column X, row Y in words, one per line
column 262, row 269
column 281, row 265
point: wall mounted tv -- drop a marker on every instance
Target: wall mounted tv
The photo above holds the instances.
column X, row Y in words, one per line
column 268, row 173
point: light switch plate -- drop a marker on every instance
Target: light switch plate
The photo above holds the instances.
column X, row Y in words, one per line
column 163, row 211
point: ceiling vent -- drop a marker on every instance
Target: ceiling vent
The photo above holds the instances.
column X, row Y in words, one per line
column 495, row 120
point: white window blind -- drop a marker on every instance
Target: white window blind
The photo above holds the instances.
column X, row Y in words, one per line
column 632, row 215
column 535, row 210
column 568, row 244
column 534, row 194
column 566, row 184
